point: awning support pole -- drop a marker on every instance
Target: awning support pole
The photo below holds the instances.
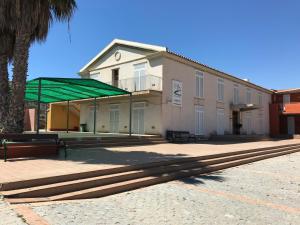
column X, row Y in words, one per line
column 130, row 114
column 68, row 116
column 46, row 116
column 39, row 107
column 95, row 112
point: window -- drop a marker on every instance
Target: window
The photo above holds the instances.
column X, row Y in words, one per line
column 286, row 99
column 236, row 97
column 140, row 77
column 260, row 100
column 220, row 89
column 199, row 84
column 248, row 96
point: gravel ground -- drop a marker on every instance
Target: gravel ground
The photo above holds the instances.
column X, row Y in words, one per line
column 8, row 216
column 265, row 192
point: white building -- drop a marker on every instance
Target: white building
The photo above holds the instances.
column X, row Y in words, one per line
column 172, row 92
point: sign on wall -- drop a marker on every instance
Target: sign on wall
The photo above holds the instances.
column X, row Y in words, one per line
column 176, row 92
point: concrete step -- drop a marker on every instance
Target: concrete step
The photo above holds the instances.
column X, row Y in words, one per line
column 241, row 138
column 122, row 169
column 80, row 184
column 105, row 190
column 121, row 138
column 114, row 144
column 114, row 141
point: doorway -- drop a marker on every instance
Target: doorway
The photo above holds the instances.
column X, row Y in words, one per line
column 114, row 118
column 220, row 121
column 236, row 126
column 199, row 120
column 291, row 125
column 138, row 118
column 115, row 77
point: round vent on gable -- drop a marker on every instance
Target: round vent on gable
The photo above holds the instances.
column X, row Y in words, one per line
column 117, row 55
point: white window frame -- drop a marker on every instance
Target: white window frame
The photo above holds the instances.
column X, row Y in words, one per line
column 248, row 96
column 260, row 99
column 199, row 84
column 236, row 94
column 286, row 99
column 222, row 113
column 221, row 91
column 199, row 109
column 138, row 68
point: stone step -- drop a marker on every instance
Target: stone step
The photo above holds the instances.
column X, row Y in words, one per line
column 113, row 144
column 122, row 169
column 80, row 184
column 128, row 185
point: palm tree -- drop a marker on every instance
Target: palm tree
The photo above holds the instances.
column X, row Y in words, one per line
column 6, row 46
column 30, row 20
column 6, row 54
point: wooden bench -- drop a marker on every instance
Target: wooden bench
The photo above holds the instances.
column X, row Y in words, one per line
column 179, row 136
column 16, row 144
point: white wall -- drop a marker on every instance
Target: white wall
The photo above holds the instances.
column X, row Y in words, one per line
column 129, row 57
column 183, row 118
column 152, row 114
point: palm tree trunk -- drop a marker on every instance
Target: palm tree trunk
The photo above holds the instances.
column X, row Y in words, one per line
column 4, row 91
column 20, row 68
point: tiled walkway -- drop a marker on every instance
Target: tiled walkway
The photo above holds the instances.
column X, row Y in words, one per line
column 92, row 159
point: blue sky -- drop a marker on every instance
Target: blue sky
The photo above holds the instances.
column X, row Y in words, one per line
column 255, row 39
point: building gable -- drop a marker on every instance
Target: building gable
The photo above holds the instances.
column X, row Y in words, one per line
column 120, row 51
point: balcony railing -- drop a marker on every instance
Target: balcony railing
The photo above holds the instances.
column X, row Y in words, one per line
column 141, row 83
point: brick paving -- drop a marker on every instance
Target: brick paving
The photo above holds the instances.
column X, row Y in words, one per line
column 265, row 192
column 92, row 159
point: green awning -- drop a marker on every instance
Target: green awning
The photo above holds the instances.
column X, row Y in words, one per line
column 69, row 89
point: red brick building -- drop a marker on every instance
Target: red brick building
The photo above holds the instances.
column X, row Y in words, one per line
column 285, row 112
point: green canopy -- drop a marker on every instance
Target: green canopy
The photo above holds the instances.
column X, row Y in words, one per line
column 68, row 89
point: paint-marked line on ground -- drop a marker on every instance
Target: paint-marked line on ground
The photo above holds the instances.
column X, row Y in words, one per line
column 245, row 199
column 29, row 215
column 271, row 174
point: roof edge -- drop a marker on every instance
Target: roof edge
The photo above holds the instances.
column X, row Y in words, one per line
column 217, row 72
column 122, row 42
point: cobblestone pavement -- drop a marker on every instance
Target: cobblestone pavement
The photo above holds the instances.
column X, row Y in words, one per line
column 8, row 216
column 265, row 192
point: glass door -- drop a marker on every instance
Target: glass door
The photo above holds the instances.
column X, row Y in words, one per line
column 140, row 77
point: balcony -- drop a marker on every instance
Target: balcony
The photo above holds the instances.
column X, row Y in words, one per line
column 141, row 83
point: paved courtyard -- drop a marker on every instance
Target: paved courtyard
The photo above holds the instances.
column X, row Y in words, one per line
column 80, row 160
column 264, row 192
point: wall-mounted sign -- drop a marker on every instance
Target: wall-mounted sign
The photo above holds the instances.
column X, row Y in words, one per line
column 176, row 92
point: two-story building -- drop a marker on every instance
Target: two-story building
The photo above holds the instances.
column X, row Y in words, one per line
column 172, row 92
column 285, row 112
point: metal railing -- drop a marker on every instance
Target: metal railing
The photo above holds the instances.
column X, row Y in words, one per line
column 141, row 83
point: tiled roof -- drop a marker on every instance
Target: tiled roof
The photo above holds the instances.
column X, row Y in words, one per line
column 291, row 90
column 219, row 71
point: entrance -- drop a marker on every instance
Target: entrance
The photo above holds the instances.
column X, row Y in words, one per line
column 220, row 121
column 115, row 77
column 199, row 120
column 291, row 125
column 236, row 126
column 248, row 123
column 138, row 118
column 114, row 118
